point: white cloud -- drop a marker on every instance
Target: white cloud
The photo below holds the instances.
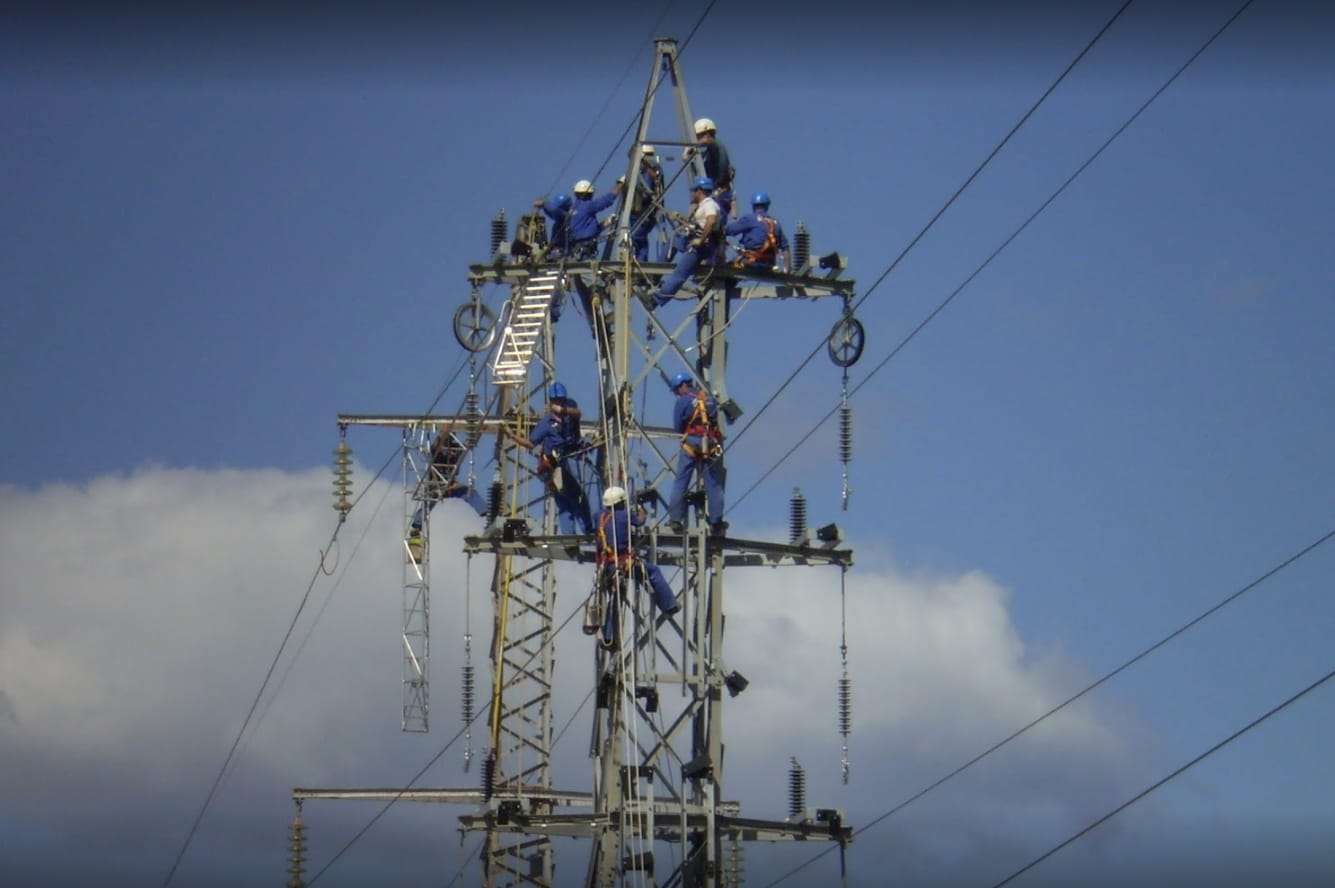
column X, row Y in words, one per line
column 140, row 612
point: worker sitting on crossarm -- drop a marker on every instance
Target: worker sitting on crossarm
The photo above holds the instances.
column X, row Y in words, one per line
column 698, row 244
column 763, row 244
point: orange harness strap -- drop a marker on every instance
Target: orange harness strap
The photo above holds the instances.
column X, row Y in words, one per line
column 764, row 254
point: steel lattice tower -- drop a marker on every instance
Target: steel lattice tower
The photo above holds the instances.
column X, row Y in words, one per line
column 657, row 734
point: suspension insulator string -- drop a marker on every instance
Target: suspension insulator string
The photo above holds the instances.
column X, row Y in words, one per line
column 297, row 848
column 342, row 475
column 466, row 696
column 845, row 438
column 845, row 683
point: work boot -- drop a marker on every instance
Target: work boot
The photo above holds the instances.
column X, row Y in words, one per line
column 676, row 527
column 649, row 300
column 718, row 528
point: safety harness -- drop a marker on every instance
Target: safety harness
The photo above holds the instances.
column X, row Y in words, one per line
column 766, row 253
column 607, row 552
column 700, row 425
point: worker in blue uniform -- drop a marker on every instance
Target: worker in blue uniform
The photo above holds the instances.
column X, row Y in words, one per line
column 441, row 482
column 718, row 166
column 617, row 553
column 556, row 440
column 646, row 202
column 584, row 223
column 695, row 418
column 763, row 243
column 697, row 244
column 557, row 209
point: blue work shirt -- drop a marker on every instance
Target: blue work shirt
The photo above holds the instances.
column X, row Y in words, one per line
column 560, row 224
column 547, row 437
column 717, row 165
column 569, row 425
column 584, row 216
column 616, row 529
column 753, row 232
column 685, row 408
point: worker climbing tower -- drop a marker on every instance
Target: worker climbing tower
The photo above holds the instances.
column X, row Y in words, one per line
column 655, row 805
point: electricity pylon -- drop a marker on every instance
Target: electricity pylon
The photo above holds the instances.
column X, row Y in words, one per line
column 656, row 812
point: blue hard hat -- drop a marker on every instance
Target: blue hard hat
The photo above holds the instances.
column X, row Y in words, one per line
column 681, row 376
column 760, row 199
column 704, row 183
column 557, row 390
column 562, row 201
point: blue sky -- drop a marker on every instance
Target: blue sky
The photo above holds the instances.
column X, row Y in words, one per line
column 222, row 229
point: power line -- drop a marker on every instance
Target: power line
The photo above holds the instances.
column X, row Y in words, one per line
column 1306, row 550
column 1204, row 755
column 946, row 206
column 995, row 253
column 282, row 645
column 459, row 873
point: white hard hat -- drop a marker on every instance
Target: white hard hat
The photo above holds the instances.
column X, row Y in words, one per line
column 647, row 149
column 614, row 496
column 583, row 186
column 704, row 125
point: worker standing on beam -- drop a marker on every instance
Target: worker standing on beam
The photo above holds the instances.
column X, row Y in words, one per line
column 584, row 224
column 441, row 482
column 695, row 417
column 698, row 244
column 646, row 202
column 718, row 166
column 556, row 439
column 557, row 209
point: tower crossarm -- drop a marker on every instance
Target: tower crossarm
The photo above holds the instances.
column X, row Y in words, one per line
column 736, row 552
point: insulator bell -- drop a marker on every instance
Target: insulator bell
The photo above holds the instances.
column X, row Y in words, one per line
column 297, row 846
column 498, row 229
column 845, row 433
column 495, row 498
column 797, row 517
column 797, row 790
column 489, row 776
column 342, row 478
column 466, row 694
column 801, row 246
column 736, row 858
column 472, row 419
column 845, row 705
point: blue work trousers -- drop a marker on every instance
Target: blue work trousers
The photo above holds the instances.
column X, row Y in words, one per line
column 664, row 598
column 687, row 262
column 712, row 469
column 572, row 506
column 639, row 236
